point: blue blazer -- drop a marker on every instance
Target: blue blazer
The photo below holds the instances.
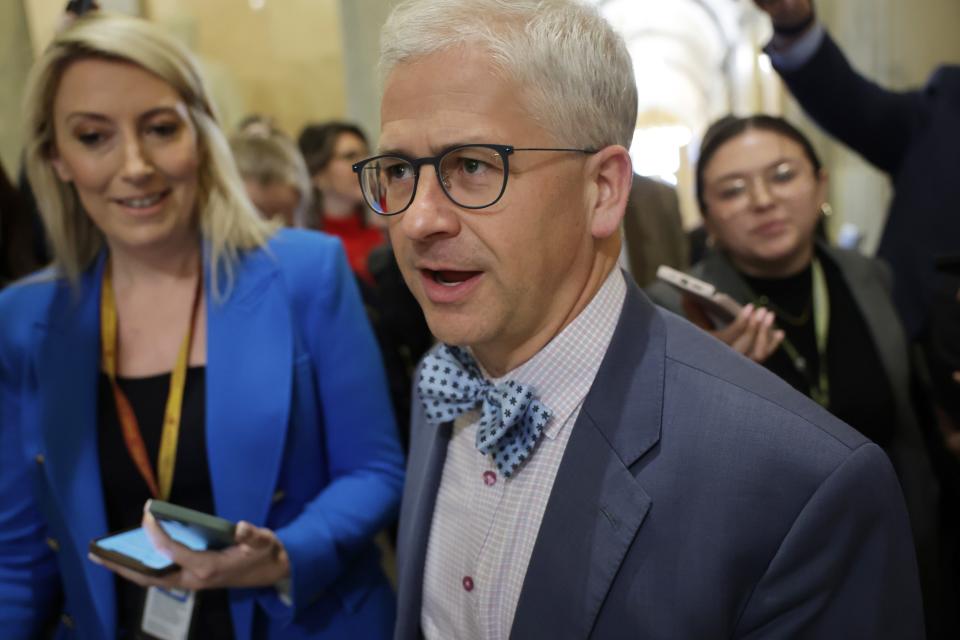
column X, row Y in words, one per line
column 699, row 497
column 300, row 438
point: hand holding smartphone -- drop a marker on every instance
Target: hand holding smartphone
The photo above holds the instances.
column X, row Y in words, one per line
column 194, row 529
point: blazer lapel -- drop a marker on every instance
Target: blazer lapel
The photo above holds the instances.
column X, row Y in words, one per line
column 596, row 505
column 68, row 366
column 248, row 387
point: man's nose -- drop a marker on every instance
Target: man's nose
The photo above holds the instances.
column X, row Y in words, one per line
column 431, row 213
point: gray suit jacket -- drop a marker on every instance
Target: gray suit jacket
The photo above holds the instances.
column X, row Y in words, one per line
column 869, row 282
column 699, row 497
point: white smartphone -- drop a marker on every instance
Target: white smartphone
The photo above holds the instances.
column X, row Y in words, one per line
column 720, row 307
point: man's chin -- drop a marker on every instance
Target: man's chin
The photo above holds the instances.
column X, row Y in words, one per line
column 460, row 328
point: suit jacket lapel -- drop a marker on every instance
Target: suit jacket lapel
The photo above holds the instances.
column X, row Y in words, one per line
column 424, row 471
column 67, row 373
column 597, row 506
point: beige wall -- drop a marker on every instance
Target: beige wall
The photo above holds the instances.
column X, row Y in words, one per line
column 26, row 27
column 362, row 20
column 15, row 59
column 284, row 60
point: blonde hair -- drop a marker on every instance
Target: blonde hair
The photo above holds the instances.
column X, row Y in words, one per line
column 575, row 70
column 228, row 221
column 270, row 156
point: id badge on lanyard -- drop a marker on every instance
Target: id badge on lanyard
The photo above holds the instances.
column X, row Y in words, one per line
column 167, row 613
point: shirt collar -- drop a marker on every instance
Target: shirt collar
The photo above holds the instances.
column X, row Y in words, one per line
column 562, row 372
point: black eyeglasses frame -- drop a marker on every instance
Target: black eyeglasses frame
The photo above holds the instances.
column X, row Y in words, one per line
column 504, row 150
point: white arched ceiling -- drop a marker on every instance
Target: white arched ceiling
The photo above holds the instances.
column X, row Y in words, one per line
column 694, row 60
column 689, row 55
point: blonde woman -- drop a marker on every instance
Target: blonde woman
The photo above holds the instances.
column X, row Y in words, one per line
column 174, row 308
column 274, row 175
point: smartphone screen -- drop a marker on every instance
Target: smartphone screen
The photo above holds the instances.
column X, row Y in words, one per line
column 136, row 546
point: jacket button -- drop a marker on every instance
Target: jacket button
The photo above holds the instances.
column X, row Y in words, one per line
column 66, row 621
column 53, row 544
column 40, row 459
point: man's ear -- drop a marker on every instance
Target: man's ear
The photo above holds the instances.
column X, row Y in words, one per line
column 611, row 171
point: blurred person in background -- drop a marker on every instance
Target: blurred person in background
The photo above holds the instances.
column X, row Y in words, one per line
column 330, row 150
column 257, row 123
column 653, row 230
column 274, row 415
column 274, row 174
column 819, row 317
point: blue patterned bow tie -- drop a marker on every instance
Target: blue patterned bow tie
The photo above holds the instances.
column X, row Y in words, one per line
column 512, row 419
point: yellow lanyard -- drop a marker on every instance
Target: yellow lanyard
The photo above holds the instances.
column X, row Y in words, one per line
column 109, row 350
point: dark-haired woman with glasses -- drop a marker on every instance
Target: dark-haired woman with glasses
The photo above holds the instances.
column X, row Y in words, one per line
column 819, row 317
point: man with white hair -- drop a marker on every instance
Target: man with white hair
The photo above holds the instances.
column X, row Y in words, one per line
column 583, row 464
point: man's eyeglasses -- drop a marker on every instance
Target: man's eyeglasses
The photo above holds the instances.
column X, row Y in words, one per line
column 474, row 176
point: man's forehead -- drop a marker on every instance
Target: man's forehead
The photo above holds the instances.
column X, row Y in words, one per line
column 424, row 104
column 413, row 136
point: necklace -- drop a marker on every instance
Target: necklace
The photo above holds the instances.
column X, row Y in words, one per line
column 820, row 307
column 794, row 320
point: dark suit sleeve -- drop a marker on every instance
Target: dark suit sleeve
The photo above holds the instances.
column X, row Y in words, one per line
column 873, row 121
column 846, row 568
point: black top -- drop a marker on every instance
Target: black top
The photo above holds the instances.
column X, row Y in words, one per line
column 125, row 491
column 860, row 392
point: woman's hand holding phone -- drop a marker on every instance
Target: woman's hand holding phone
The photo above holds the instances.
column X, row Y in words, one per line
column 257, row 559
column 752, row 333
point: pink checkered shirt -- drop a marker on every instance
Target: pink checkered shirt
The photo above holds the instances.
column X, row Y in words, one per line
column 484, row 526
